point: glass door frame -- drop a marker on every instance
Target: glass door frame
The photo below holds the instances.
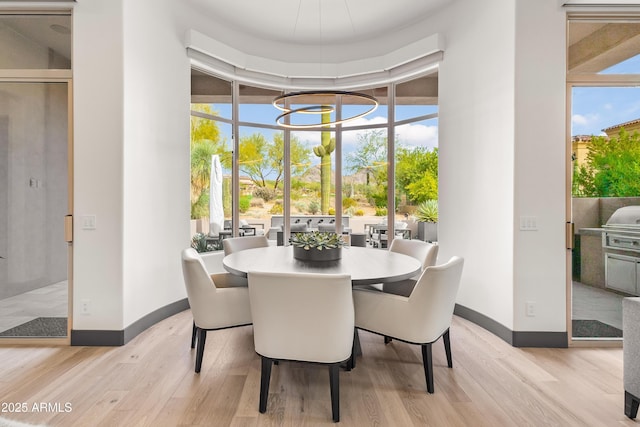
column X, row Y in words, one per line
column 53, row 76
column 574, row 81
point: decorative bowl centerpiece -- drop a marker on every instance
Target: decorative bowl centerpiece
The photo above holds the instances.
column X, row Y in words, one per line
column 317, row 246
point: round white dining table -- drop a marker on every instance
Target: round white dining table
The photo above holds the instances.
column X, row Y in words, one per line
column 365, row 266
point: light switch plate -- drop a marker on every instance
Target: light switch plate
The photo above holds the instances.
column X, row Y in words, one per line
column 88, row 222
column 528, row 223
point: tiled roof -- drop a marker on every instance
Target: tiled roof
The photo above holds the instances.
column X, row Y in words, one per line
column 632, row 122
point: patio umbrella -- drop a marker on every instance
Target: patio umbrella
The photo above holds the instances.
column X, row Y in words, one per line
column 216, row 211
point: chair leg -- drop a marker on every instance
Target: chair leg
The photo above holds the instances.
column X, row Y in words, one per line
column 356, row 344
column 387, row 339
column 200, row 351
column 428, row 366
column 631, row 404
column 193, row 335
column 265, row 378
column 447, row 348
column 351, row 363
column 334, row 384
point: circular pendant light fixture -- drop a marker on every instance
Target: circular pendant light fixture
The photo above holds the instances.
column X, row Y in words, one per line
column 320, row 102
column 320, row 108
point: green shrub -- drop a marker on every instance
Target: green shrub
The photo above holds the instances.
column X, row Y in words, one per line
column 311, row 187
column 257, row 202
column 265, row 193
column 200, row 208
column 381, row 211
column 244, row 203
column 348, row 202
column 199, row 243
column 331, row 211
column 296, row 184
column 359, row 212
column 300, row 206
column 277, row 208
column 379, row 200
column 314, row 207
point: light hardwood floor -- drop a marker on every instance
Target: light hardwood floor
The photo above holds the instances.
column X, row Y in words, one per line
column 150, row 382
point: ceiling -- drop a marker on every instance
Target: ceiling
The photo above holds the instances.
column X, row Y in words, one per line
column 50, row 31
column 256, row 26
column 596, row 45
column 316, row 22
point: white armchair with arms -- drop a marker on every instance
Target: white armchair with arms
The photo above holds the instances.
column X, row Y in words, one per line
column 213, row 307
column 302, row 317
column 426, row 253
column 421, row 318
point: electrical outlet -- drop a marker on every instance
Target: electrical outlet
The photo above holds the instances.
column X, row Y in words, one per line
column 85, row 306
column 531, row 309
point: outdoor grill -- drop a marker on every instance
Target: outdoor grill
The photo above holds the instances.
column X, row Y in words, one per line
column 621, row 247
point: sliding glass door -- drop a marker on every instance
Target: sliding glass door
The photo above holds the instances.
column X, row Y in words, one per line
column 603, row 74
column 34, row 200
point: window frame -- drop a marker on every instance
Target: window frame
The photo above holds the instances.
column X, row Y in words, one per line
column 338, row 130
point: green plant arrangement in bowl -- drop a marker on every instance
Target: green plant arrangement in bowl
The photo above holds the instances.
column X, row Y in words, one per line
column 317, row 246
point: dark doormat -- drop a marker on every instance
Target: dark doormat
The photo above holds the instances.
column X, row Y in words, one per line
column 39, row 327
column 594, row 329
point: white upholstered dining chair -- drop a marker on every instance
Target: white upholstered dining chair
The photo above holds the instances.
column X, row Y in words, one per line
column 302, row 317
column 213, row 307
column 236, row 244
column 426, row 253
column 421, row 318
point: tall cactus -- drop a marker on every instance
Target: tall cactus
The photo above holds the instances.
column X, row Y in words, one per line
column 324, row 150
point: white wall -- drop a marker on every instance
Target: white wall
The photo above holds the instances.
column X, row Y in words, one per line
column 98, row 163
column 156, row 157
column 132, row 160
column 131, row 144
column 476, row 143
column 502, row 156
column 540, row 165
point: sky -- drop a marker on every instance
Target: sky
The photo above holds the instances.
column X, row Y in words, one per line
column 423, row 133
column 597, row 108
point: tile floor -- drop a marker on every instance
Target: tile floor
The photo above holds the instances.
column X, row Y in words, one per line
column 591, row 303
column 49, row 301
